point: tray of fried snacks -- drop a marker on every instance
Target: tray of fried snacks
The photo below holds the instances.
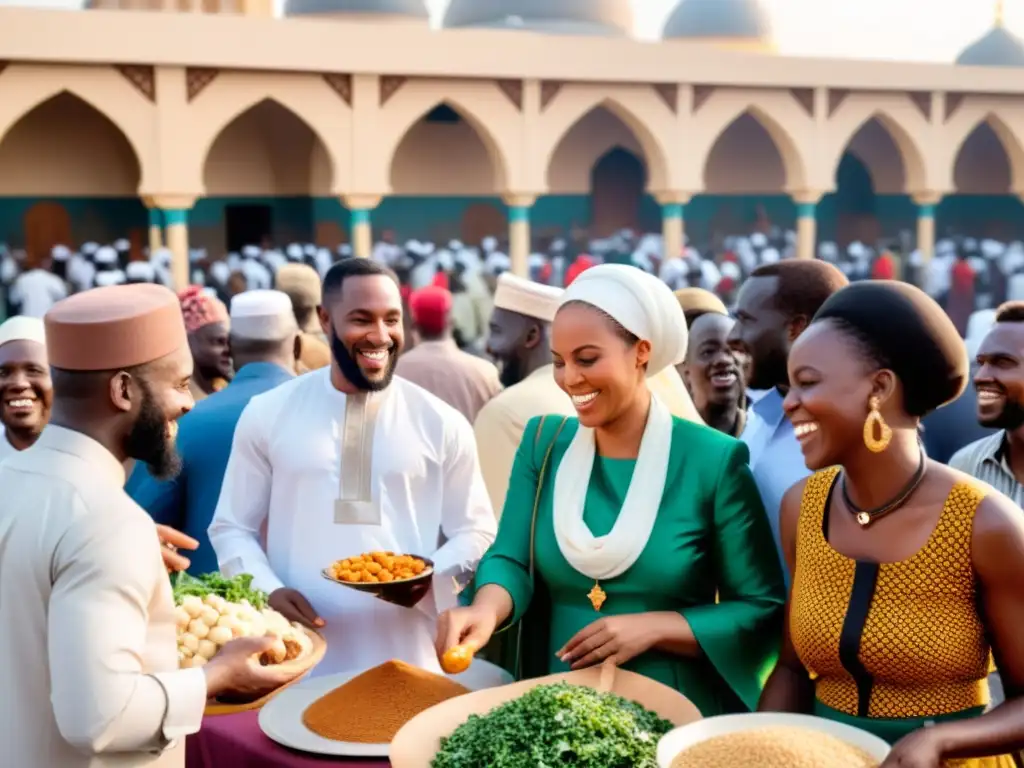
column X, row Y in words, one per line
column 400, row 579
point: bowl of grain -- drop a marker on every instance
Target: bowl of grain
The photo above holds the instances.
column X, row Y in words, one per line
column 399, row 579
column 770, row 740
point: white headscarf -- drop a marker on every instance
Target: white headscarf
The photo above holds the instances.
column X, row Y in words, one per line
column 645, row 307
column 640, row 303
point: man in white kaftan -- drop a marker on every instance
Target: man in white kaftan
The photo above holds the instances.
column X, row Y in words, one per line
column 89, row 673
column 324, row 475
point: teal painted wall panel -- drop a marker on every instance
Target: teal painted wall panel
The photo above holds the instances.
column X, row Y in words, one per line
column 295, row 218
column 91, row 217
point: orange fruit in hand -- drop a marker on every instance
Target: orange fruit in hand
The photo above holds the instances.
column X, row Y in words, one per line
column 457, row 659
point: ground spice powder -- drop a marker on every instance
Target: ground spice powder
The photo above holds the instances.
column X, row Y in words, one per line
column 372, row 707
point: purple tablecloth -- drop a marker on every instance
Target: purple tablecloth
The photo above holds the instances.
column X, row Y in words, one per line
column 238, row 742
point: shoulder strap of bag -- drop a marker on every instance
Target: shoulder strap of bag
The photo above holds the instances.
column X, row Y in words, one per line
column 517, row 668
column 540, row 482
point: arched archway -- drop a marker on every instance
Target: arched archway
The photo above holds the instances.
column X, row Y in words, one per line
column 985, row 170
column 872, row 176
column 745, row 179
column 598, row 172
column 52, row 159
column 443, row 169
column 443, row 153
column 261, row 174
column 745, row 160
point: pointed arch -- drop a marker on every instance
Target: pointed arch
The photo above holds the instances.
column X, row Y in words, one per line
column 307, row 97
column 267, row 149
column 779, row 114
column 1008, row 138
column 794, row 171
column 232, row 114
column 902, row 121
column 481, row 105
column 65, row 146
column 643, row 113
column 410, row 119
column 16, row 104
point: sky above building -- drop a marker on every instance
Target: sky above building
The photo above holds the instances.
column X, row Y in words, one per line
column 879, row 29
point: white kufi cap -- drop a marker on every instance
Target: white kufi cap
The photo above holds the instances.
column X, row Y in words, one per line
column 262, row 315
column 525, row 297
column 22, row 328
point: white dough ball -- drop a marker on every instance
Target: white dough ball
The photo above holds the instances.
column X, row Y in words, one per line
column 199, row 628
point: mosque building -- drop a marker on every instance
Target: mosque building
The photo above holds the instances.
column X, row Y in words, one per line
column 212, row 124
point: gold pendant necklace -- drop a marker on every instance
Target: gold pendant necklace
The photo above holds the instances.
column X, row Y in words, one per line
column 597, row 596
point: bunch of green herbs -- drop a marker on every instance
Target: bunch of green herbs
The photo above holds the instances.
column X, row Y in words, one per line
column 557, row 725
column 233, row 590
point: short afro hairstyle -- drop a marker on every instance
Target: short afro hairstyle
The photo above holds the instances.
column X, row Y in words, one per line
column 1010, row 312
column 804, row 284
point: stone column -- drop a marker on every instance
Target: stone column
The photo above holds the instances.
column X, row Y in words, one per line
column 926, row 204
column 806, row 224
column 360, row 231
column 156, row 230
column 174, row 210
column 519, row 232
column 673, row 222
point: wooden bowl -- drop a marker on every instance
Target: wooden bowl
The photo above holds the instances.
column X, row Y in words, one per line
column 405, row 592
column 300, row 667
column 419, row 740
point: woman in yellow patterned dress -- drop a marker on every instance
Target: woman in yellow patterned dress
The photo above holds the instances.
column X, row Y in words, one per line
column 907, row 575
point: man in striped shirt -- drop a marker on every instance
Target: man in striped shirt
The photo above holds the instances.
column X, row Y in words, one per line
column 998, row 459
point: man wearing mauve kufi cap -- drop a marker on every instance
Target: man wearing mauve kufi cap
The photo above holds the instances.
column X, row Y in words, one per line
column 264, row 346
column 90, row 678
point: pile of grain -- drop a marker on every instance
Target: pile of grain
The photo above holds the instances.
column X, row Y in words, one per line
column 782, row 747
column 372, row 707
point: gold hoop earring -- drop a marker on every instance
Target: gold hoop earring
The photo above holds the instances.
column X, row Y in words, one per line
column 874, row 419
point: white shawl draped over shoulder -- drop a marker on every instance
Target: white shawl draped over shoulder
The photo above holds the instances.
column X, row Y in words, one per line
column 645, row 307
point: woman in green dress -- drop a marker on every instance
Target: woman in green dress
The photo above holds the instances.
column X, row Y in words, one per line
column 628, row 534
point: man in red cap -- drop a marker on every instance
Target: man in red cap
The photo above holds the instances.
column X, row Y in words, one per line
column 464, row 381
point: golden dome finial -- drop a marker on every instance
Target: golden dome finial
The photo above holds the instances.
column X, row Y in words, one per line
column 1000, row 13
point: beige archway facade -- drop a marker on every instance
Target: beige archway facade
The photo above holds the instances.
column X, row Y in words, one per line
column 356, row 95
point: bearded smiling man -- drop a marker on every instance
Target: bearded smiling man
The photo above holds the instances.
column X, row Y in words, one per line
column 84, row 595
column 351, row 459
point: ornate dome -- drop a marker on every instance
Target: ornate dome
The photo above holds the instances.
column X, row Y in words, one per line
column 739, row 23
column 414, row 9
column 998, row 48
column 561, row 17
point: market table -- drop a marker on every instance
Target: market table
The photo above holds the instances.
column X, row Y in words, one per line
column 237, row 741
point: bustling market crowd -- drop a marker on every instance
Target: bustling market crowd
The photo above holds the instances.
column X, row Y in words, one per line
column 770, row 483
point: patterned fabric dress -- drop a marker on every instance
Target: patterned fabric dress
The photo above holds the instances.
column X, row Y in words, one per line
column 892, row 647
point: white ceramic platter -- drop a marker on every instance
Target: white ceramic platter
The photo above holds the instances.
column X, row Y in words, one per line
column 281, row 718
column 675, row 741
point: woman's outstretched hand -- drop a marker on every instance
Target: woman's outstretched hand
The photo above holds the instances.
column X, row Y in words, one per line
column 472, row 625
